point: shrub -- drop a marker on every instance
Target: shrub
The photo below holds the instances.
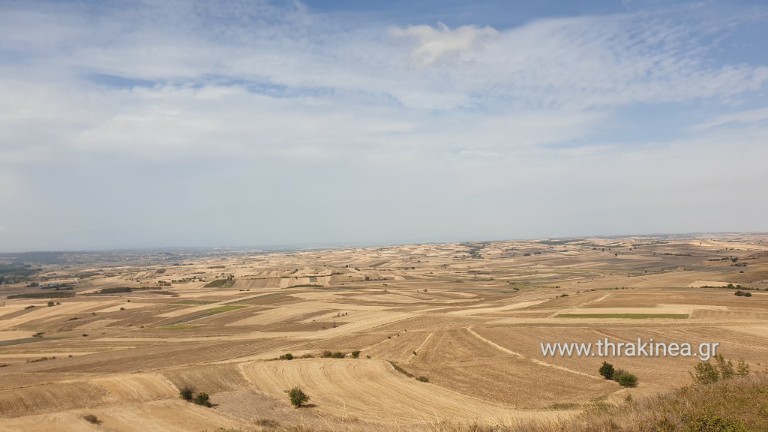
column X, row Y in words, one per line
column 50, row 303
column 725, row 367
column 268, row 423
column 422, row 379
column 326, row 354
column 338, row 354
column 203, row 399
column 606, row 370
column 712, row 423
column 705, row 373
column 90, row 418
column 355, row 354
column 709, row 372
column 742, row 369
column 186, row 393
column 298, row 397
column 287, row 356
column 626, row 379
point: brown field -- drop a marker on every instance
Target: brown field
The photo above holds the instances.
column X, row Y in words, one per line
column 468, row 317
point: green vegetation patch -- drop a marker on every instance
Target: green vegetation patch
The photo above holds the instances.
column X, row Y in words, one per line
column 627, row 316
column 192, row 302
column 222, row 309
column 220, row 283
column 179, row 327
column 115, row 290
column 42, row 295
column 205, row 314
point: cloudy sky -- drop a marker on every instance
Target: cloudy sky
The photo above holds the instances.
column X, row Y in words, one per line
column 242, row 123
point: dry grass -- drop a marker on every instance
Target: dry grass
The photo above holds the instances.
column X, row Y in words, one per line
column 469, row 317
column 737, row 405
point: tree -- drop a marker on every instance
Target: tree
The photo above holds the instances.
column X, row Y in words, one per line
column 627, row 379
column 203, row 399
column 90, row 418
column 709, row 372
column 298, row 397
column 725, row 366
column 742, row 369
column 606, row 370
column 186, row 393
column 705, row 373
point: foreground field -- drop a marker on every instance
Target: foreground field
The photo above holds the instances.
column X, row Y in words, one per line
column 118, row 337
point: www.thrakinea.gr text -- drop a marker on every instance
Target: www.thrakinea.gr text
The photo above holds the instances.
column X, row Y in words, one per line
column 638, row 348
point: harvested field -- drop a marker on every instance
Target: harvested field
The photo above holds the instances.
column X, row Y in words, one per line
column 468, row 319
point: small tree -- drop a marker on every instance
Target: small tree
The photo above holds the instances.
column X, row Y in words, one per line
column 287, row 356
column 626, row 379
column 203, row 399
column 742, row 369
column 298, row 397
column 186, row 393
column 709, row 372
column 705, row 373
column 90, row 418
column 606, row 370
column 725, row 367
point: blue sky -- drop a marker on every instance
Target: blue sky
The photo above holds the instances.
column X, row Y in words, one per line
column 235, row 123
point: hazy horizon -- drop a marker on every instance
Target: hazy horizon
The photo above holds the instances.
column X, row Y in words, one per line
column 130, row 125
column 268, row 248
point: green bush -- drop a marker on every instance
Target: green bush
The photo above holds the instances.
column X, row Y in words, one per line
column 626, row 379
column 355, row 354
column 186, row 393
column 705, row 373
column 287, row 356
column 422, row 379
column 298, row 397
column 606, row 370
column 715, row 424
column 90, row 418
column 710, row 372
column 203, row 399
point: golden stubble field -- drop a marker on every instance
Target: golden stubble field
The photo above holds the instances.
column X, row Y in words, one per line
column 469, row 317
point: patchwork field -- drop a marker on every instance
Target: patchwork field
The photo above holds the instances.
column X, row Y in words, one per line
column 426, row 333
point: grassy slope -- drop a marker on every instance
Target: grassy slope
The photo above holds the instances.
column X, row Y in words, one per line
column 736, row 405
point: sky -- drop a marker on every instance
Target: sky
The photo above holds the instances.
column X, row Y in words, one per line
column 161, row 123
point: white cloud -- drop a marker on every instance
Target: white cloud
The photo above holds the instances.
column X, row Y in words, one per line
column 434, row 44
column 271, row 111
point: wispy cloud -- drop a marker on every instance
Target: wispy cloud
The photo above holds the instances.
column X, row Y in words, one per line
column 737, row 118
column 339, row 103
